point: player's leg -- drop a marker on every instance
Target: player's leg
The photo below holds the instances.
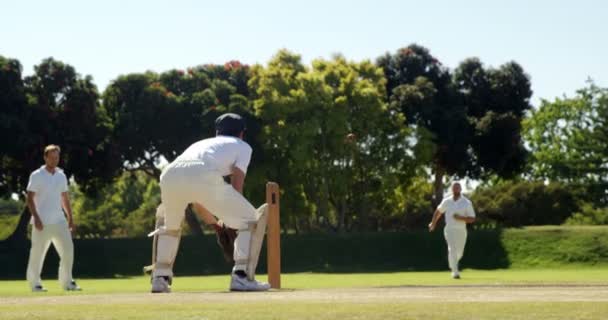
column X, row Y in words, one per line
column 40, row 243
column 168, row 232
column 237, row 213
column 62, row 240
column 461, row 241
column 166, row 243
column 450, row 237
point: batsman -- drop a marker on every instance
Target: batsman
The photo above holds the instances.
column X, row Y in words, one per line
column 196, row 177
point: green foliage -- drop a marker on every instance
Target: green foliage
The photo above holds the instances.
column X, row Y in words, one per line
column 411, row 204
column 351, row 143
column 344, row 252
column 8, row 223
column 13, row 125
column 308, row 115
column 589, row 215
column 522, row 203
column 556, row 246
column 160, row 115
column 54, row 105
column 10, row 206
column 568, row 139
column 420, row 88
column 472, row 115
column 124, row 208
column 9, row 215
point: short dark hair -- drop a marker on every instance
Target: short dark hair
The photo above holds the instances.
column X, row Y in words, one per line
column 230, row 124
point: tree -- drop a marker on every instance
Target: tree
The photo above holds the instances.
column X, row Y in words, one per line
column 54, row 105
column 157, row 116
column 568, row 139
column 123, row 208
column 468, row 121
column 13, row 124
column 497, row 101
column 512, row 203
column 308, row 115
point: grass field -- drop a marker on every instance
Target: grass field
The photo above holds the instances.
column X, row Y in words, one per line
column 567, row 293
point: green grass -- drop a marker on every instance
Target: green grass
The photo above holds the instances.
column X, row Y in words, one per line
column 324, row 281
column 316, row 309
column 553, row 246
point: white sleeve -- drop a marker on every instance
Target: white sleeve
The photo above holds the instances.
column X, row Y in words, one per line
column 243, row 159
column 34, row 184
column 64, row 184
column 443, row 206
column 470, row 210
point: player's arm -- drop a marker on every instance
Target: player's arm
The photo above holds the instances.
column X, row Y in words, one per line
column 67, row 208
column 31, row 205
column 239, row 168
column 436, row 216
column 464, row 218
column 204, row 214
column 237, row 179
column 469, row 217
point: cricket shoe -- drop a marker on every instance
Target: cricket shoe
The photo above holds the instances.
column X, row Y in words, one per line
column 455, row 275
column 239, row 283
column 73, row 287
column 160, row 285
column 39, row 288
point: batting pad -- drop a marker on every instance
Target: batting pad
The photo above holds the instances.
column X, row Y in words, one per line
column 160, row 222
column 166, row 251
column 258, row 230
column 164, row 246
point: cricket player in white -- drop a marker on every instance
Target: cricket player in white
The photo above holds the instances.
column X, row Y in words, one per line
column 196, row 176
column 47, row 195
column 458, row 211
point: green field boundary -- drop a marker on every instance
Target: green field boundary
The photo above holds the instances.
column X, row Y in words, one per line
column 533, row 247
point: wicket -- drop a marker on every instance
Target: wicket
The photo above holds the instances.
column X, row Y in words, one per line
column 273, row 236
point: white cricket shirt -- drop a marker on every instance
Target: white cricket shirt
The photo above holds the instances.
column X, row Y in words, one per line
column 449, row 208
column 48, row 188
column 221, row 153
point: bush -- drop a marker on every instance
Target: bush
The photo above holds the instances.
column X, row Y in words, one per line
column 10, row 207
column 339, row 252
column 125, row 208
column 523, row 203
column 412, row 203
column 589, row 215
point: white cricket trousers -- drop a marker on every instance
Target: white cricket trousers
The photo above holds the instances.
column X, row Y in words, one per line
column 60, row 236
column 184, row 182
column 456, row 239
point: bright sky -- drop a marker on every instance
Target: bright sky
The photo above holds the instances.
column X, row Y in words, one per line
column 559, row 43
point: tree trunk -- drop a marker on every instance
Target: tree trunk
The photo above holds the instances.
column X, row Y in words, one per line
column 192, row 221
column 438, row 186
column 341, row 211
column 20, row 233
column 296, row 226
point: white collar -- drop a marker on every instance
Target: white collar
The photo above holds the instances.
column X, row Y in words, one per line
column 459, row 198
column 57, row 170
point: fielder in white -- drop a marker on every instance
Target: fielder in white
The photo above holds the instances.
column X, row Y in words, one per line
column 196, row 176
column 49, row 203
column 458, row 211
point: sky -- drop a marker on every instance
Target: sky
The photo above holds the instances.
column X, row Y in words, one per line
column 560, row 44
